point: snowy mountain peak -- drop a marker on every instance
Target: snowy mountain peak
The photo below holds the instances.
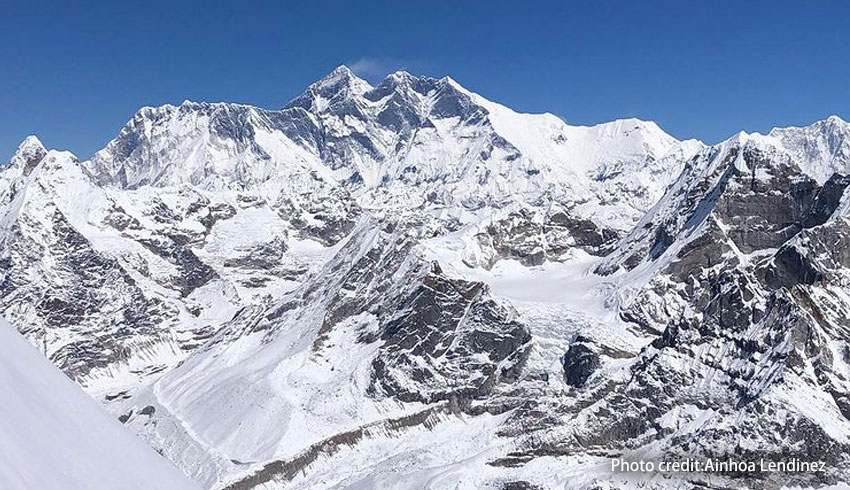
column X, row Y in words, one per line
column 340, row 72
column 403, row 78
column 405, row 133
column 342, row 77
column 835, row 119
column 831, row 123
column 331, row 91
column 400, row 75
column 648, row 133
column 29, row 143
column 29, row 153
column 821, row 149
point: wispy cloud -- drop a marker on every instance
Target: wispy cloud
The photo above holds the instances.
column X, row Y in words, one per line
column 374, row 69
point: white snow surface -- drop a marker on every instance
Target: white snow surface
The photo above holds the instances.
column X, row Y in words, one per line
column 55, row 437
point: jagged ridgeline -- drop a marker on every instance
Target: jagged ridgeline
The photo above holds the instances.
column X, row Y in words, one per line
column 407, row 285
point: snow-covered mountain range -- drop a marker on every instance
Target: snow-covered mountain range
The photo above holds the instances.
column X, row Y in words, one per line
column 411, row 286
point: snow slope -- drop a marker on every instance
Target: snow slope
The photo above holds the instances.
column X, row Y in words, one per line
column 54, row 437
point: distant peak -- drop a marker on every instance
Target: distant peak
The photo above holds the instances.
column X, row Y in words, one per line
column 829, row 124
column 341, row 71
column 341, row 82
column 403, row 81
column 835, row 124
column 451, row 82
column 30, row 152
column 31, row 142
column 740, row 137
column 832, row 125
column 406, row 81
column 401, row 75
column 342, row 76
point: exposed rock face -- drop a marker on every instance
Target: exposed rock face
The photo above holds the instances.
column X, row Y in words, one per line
column 30, row 153
column 826, row 201
column 474, row 339
column 77, row 304
column 744, row 290
column 192, row 272
column 580, row 361
column 533, row 237
column 378, row 325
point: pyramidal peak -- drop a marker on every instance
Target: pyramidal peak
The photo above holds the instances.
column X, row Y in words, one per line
column 342, row 76
column 835, row 119
column 340, row 71
column 339, row 85
column 29, row 146
column 29, row 153
column 31, row 141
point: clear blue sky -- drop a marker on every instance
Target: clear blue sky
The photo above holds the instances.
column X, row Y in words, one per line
column 706, row 69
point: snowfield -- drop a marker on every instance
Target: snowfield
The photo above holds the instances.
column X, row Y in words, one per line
column 55, row 437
